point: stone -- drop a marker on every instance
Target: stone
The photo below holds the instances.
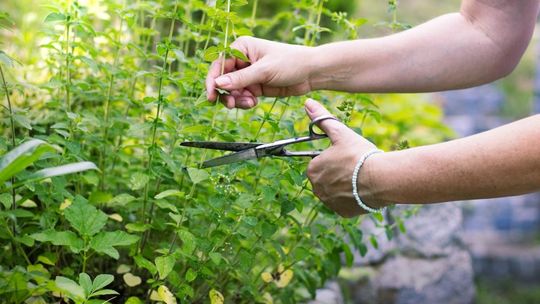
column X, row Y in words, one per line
column 404, row 280
column 330, row 294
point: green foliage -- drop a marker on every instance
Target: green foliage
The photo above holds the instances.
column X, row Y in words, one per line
column 121, row 84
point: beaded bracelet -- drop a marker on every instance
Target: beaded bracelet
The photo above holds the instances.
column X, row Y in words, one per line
column 355, row 179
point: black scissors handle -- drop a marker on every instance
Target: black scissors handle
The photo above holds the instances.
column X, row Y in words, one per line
column 315, row 135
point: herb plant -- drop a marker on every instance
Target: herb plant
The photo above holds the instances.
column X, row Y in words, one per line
column 121, row 84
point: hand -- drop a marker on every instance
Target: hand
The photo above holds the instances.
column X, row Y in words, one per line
column 330, row 173
column 275, row 69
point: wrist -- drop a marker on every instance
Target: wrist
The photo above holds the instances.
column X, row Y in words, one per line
column 370, row 184
column 319, row 68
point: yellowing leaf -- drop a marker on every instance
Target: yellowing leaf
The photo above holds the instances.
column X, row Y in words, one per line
column 116, row 217
column 280, row 268
column 216, row 297
column 166, row 295
column 267, row 298
column 123, row 268
column 284, row 278
column 131, row 280
column 267, row 277
column 65, row 204
column 154, row 296
column 29, row 204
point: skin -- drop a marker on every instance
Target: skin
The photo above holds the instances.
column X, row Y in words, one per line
column 481, row 43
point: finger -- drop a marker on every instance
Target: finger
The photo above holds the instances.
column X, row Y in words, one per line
column 333, row 128
column 245, row 100
column 214, row 72
column 242, row 78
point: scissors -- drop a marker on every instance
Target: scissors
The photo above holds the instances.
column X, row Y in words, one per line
column 246, row 151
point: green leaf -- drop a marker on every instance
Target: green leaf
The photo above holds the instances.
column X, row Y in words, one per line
column 138, row 181
column 101, row 281
column 60, row 238
column 168, row 193
column 85, row 218
column 55, row 17
column 58, row 171
column 86, row 283
column 215, row 257
column 197, row 175
column 211, row 53
column 21, row 157
column 69, row 287
column 238, row 54
column 188, row 241
column 374, row 242
column 164, row 265
column 6, row 200
column 105, row 242
column 146, row 264
column 191, row 275
column 104, row 292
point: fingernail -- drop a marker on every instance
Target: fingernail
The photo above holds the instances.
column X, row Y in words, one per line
column 311, row 105
column 223, row 81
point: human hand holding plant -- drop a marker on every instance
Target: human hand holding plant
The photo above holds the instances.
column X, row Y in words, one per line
column 275, row 70
column 330, row 173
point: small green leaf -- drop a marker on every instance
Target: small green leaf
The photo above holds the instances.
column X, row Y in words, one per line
column 86, row 283
column 191, row 275
column 168, row 193
column 197, row 175
column 138, row 181
column 238, row 54
column 104, row 292
column 101, row 281
column 211, row 53
column 146, row 264
column 69, row 287
column 85, row 218
column 188, row 241
column 60, row 238
column 374, row 242
column 105, row 242
column 55, row 17
column 164, row 265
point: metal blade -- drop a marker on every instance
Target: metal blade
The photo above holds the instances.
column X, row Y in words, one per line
column 215, row 145
column 231, row 158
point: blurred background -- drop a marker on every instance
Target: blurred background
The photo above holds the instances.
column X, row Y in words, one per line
column 484, row 251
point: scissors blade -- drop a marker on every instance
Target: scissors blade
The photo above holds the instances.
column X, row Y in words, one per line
column 231, row 158
column 226, row 146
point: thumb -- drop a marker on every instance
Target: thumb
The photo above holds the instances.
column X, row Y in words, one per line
column 241, row 79
column 333, row 128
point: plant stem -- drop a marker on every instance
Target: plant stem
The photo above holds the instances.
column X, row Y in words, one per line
column 68, row 62
column 107, row 110
column 13, row 143
column 156, row 122
column 254, row 13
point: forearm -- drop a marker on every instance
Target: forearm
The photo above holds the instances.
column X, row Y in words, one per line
column 453, row 51
column 501, row 162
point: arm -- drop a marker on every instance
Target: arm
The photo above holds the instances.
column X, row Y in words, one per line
column 500, row 162
column 482, row 43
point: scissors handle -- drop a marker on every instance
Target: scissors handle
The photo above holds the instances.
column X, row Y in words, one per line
column 312, row 133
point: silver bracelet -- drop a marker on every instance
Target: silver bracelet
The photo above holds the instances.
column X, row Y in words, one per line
column 355, row 180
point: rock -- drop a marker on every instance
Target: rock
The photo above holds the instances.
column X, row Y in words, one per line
column 404, row 280
column 432, row 232
column 330, row 294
